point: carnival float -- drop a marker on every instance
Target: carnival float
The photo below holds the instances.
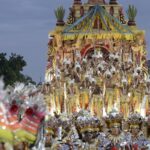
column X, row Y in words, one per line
column 97, row 59
column 96, row 94
column 97, row 63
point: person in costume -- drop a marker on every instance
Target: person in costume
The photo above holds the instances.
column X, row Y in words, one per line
column 84, row 65
column 100, row 76
column 116, row 60
column 109, row 95
column 90, row 70
column 77, row 57
column 115, row 85
column 84, row 92
column 50, row 98
column 129, row 70
column 138, row 141
column 77, row 73
column 51, row 129
column 137, row 95
column 72, row 97
column 125, row 97
column 96, row 99
column 89, row 129
column 64, row 139
column 59, row 94
column 66, row 70
column 94, row 59
column 116, row 138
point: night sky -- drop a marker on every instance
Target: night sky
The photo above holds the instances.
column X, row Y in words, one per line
column 24, row 27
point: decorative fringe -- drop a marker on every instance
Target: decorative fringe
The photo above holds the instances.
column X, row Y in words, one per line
column 102, row 35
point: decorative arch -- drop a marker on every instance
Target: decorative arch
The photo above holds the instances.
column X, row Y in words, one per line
column 90, row 49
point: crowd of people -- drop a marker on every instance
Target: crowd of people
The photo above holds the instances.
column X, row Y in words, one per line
column 81, row 94
column 98, row 82
column 96, row 102
column 25, row 123
column 82, row 131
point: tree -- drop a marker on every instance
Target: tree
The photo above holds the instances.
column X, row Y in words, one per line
column 11, row 69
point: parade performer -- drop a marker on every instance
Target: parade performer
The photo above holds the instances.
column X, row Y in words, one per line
column 89, row 129
column 84, row 92
column 138, row 141
column 51, row 131
column 72, row 97
column 125, row 96
column 59, row 94
column 77, row 73
column 137, row 96
column 117, row 139
column 109, row 95
column 65, row 136
column 96, row 99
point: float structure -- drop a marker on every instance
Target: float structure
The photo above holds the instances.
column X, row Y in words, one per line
column 92, row 27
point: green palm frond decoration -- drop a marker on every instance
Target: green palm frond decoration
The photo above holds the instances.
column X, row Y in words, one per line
column 131, row 12
column 60, row 13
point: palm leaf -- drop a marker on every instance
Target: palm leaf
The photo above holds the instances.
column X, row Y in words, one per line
column 60, row 13
column 131, row 12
